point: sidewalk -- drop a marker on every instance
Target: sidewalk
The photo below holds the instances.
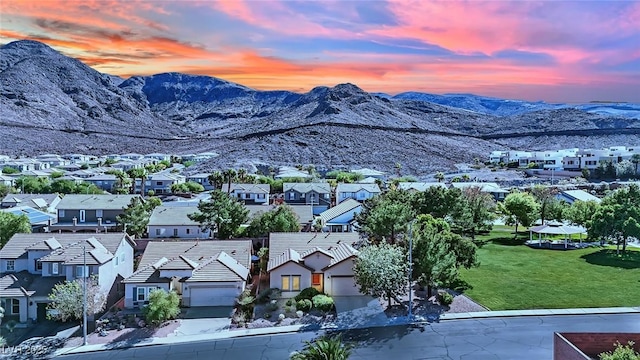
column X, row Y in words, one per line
column 298, row 328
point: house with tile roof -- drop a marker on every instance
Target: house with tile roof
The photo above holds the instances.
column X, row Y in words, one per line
column 356, row 191
column 173, row 221
column 31, row 264
column 42, row 202
column 320, row 260
column 203, row 273
column 340, row 218
column 249, row 193
column 90, row 213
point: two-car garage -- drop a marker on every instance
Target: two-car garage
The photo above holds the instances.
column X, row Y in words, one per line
column 211, row 294
column 344, row 285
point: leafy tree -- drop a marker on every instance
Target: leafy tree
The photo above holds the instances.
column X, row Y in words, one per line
column 64, row 187
column 280, row 219
column 263, row 255
column 475, row 211
column 33, row 185
column 324, row 348
column 11, row 224
column 621, row 352
column 162, row 306
column 221, row 213
column 581, row 213
column 439, row 176
column 188, row 187
column 9, row 170
column 436, row 201
column 381, row 270
column 520, row 208
column 386, row 216
column 67, row 298
column 625, row 169
column 5, row 190
column 344, row 176
column 87, row 188
column 56, row 174
column 618, row 216
column 136, row 215
column 438, row 253
column 543, row 195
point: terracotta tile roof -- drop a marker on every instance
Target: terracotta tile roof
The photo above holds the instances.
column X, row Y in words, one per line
column 285, row 247
column 25, row 284
column 303, row 188
column 20, row 244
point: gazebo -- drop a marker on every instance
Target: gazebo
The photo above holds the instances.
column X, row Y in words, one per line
column 553, row 228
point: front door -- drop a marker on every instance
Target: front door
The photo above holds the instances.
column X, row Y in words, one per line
column 317, row 281
column 42, row 312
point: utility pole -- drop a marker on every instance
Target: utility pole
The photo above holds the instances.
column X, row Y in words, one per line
column 410, row 270
column 84, row 295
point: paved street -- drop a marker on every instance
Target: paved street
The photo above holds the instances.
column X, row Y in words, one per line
column 478, row 339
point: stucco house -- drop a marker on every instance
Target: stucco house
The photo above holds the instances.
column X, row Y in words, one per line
column 360, row 192
column 31, row 264
column 340, row 218
column 249, row 193
column 317, row 195
column 203, row 273
column 161, row 183
column 82, row 212
column 105, row 182
column 322, row 260
column 571, row 196
column 173, row 221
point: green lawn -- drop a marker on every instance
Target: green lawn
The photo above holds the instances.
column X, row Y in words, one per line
column 514, row 276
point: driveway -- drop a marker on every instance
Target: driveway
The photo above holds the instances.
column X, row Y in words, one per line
column 359, row 311
column 204, row 320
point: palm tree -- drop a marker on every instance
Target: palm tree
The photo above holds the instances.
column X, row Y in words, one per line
column 466, row 177
column 216, row 179
column 439, row 176
column 242, row 175
column 230, row 174
column 140, row 173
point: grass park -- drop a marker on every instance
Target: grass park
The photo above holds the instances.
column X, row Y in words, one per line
column 514, row 276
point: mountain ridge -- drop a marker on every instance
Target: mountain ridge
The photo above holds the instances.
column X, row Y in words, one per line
column 46, row 95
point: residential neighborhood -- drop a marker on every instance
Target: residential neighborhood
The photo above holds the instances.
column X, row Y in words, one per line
column 248, row 248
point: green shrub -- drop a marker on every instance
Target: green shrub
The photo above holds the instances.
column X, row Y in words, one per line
column 290, row 302
column 272, row 305
column 267, row 315
column 323, row 302
column 445, row 298
column 326, row 347
column 621, row 352
column 268, row 295
column 307, row 293
column 304, row 305
column 163, row 306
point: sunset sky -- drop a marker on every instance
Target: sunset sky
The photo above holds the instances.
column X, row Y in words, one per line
column 556, row 51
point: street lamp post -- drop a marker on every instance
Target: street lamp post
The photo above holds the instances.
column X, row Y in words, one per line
column 84, row 295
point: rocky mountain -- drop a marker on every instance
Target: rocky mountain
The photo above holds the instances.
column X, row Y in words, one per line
column 53, row 103
column 506, row 107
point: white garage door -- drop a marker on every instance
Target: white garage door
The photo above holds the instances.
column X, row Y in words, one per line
column 344, row 286
column 221, row 295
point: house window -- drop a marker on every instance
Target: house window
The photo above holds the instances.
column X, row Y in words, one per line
column 98, row 213
column 302, row 196
column 115, row 261
column 158, row 183
column 82, row 271
column 292, row 196
column 142, row 294
column 38, row 265
column 316, row 279
column 261, row 196
column 61, row 213
column 11, row 265
column 175, row 232
column 157, row 231
column 15, row 306
column 326, row 196
column 291, row 282
column 55, row 268
column 188, row 231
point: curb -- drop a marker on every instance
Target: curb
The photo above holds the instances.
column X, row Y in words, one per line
column 307, row 328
